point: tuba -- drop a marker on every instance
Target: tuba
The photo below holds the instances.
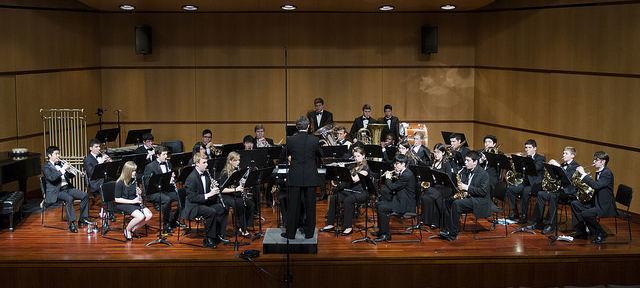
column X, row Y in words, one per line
column 376, row 132
column 327, row 134
column 584, row 192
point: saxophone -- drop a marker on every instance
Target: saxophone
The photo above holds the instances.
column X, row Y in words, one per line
column 460, row 194
column 584, row 192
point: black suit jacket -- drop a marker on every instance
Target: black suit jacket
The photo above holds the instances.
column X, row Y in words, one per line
column 359, row 124
column 395, row 126
column 459, row 156
column 480, row 192
column 327, row 118
column 404, row 189
column 305, row 151
column 53, row 182
column 569, row 170
column 603, row 187
column 539, row 161
column 153, row 168
column 424, row 154
column 90, row 164
column 142, row 150
column 195, row 194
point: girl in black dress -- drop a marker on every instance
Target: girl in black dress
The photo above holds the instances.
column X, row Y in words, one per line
column 129, row 199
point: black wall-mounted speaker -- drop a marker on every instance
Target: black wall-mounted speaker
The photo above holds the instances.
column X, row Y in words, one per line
column 429, row 39
column 143, row 39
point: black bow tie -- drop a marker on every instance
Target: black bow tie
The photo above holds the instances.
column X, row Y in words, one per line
column 150, row 149
column 318, row 113
column 163, row 163
column 205, row 174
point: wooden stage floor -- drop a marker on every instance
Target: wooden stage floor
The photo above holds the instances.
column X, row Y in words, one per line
column 33, row 256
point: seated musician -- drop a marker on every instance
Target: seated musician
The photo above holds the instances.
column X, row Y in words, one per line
column 389, row 148
column 198, row 148
column 247, row 141
column 234, row 197
column 584, row 215
column 398, row 195
column 93, row 158
column 490, row 146
column 458, row 149
column 203, row 200
column 58, row 186
column 207, row 140
column 349, row 193
column 128, row 198
column 420, row 150
column 319, row 117
column 529, row 185
column 147, row 147
column 261, row 141
column 392, row 122
column 433, row 199
column 361, row 121
column 164, row 199
column 341, row 134
column 475, row 181
column 404, row 148
column 569, row 166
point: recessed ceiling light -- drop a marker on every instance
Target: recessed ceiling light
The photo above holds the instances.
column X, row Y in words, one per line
column 288, row 7
column 448, row 7
column 127, row 7
column 386, row 8
column 189, row 7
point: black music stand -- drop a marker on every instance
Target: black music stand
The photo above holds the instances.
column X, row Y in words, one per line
column 441, row 178
column 107, row 171
column 390, row 153
column 373, row 152
column 422, row 173
column 446, row 136
column 107, row 135
column 135, row 136
column 184, row 173
column 273, row 153
column 234, row 179
column 228, row 148
column 367, row 184
column 290, row 130
column 339, row 151
column 215, row 165
column 159, row 183
column 179, row 160
column 139, row 159
column 527, row 167
column 499, row 162
column 338, row 174
column 252, row 158
column 557, row 173
column 258, row 178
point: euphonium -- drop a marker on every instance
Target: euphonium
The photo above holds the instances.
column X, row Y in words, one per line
column 549, row 184
column 513, row 177
column 460, row 194
column 584, row 192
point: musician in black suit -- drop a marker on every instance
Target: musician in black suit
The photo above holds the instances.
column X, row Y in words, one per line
column 93, row 158
column 319, row 117
column 203, row 201
column 475, row 181
column 303, row 179
column 198, row 148
column 362, row 121
column 146, row 147
column 602, row 205
column 569, row 166
column 398, row 195
column 420, row 150
column 207, row 141
column 530, row 184
column 404, row 148
column 490, row 146
column 235, row 196
column 162, row 199
column 433, row 199
column 260, row 140
column 392, row 122
column 58, row 186
column 458, row 150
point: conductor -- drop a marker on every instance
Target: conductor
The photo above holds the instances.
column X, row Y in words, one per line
column 303, row 179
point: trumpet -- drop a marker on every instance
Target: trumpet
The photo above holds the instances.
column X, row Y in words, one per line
column 392, row 175
column 72, row 168
column 262, row 142
column 460, row 194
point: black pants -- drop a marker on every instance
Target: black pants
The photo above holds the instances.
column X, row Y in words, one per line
column 512, row 194
column 215, row 219
column 546, row 197
column 457, row 208
column 165, row 200
column 384, row 208
column 348, row 200
column 243, row 209
column 296, row 197
column 68, row 195
column 433, row 205
column 585, row 214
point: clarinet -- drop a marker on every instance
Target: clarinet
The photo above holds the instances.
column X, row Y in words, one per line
column 219, row 194
column 141, row 204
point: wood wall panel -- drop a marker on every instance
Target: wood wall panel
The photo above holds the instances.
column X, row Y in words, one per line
column 54, row 39
column 149, row 94
column 237, row 39
column 343, row 90
column 8, row 106
column 623, row 163
column 591, row 39
column 7, row 45
column 401, row 39
column 172, row 38
column 429, row 94
column 240, row 95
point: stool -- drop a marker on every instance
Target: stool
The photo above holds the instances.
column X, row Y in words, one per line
column 11, row 203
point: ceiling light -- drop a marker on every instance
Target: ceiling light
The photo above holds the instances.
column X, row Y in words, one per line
column 127, row 7
column 386, row 8
column 288, row 7
column 448, row 7
column 189, row 7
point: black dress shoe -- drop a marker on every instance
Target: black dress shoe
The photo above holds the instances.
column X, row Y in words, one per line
column 375, row 233
column 448, row 236
column 284, row 235
column 383, row 237
column 209, row 243
column 599, row 238
column 84, row 222
column 580, row 235
column 522, row 220
column 323, row 229
column 223, row 240
column 73, row 228
column 548, row 230
column 513, row 216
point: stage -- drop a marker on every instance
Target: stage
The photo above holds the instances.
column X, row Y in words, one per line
column 34, row 256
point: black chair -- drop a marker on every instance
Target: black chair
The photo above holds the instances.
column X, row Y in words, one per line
column 413, row 218
column 107, row 192
column 624, row 195
column 182, row 200
column 44, row 206
column 499, row 195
